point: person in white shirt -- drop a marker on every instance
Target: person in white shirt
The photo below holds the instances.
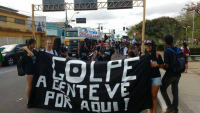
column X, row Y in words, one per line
column 48, row 48
column 125, row 51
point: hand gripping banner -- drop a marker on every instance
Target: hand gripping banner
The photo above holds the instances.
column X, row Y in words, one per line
column 67, row 85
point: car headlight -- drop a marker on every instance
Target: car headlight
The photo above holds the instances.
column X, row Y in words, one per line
column 4, row 54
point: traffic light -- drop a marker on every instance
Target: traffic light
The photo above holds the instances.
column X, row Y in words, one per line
column 124, row 28
column 101, row 27
column 114, row 31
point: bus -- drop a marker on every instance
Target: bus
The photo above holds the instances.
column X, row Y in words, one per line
column 75, row 35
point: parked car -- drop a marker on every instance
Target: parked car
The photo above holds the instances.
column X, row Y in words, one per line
column 12, row 53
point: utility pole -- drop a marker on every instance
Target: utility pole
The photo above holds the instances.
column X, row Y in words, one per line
column 66, row 21
column 33, row 22
column 143, row 26
column 99, row 26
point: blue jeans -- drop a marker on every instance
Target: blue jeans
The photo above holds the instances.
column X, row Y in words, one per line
column 173, row 81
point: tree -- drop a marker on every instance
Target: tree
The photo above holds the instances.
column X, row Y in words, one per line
column 173, row 30
column 153, row 28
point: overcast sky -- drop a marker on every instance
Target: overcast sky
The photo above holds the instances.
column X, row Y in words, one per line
column 110, row 19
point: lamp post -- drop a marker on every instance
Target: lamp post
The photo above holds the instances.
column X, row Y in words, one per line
column 193, row 8
column 186, row 29
column 67, row 22
column 193, row 26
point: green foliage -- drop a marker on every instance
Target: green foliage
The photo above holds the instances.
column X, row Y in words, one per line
column 154, row 28
column 174, row 30
column 161, row 47
column 195, row 50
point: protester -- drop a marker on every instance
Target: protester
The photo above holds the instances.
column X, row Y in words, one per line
column 83, row 52
column 1, row 59
column 186, row 51
column 95, row 53
column 136, row 46
column 117, row 48
column 122, row 48
column 131, row 52
column 108, row 52
column 154, row 72
column 170, row 77
column 63, row 51
column 48, row 48
column 100, row 51
column 126, row 51
column 30, row 59
column 57, row 46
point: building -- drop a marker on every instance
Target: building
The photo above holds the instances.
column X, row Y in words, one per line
column 14, row 28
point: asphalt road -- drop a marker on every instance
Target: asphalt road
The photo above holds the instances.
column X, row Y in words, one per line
column 13, row 92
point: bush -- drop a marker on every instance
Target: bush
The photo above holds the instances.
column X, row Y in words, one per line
column 195, row 50
column 160, row 47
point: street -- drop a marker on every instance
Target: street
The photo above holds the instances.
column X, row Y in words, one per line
column 13, row 92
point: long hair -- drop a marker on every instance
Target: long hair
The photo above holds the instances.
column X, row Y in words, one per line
column 57, row 45
column 82, row 46
column 153, row 52
column 29, row 42
column 185, row 45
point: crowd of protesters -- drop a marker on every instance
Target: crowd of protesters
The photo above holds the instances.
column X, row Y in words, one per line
column 92, row 50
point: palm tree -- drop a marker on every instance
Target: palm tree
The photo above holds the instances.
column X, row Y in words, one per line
column 174, row 30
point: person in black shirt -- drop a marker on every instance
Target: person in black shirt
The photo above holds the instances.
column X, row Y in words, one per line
column 30, row 59
column 57, row 46
column 100, row 50
column 83, row 52
column 170, row 78
column 63, row 51
column 156, row 63
column 131, row 53
column 137, row 51
column 108, row 52
column 117, row 48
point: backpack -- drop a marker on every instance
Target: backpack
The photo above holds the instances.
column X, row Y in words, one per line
column 21, row 66
column 179, row 61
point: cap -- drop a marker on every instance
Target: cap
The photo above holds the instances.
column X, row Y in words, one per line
column 149, row 42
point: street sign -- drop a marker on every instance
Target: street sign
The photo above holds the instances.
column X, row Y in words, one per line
column 57, row 5
column 85, row 5
column 120, row 4
column 80, row 20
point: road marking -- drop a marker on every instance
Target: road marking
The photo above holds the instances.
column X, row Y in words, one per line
column 8, row 71
column 161, row 102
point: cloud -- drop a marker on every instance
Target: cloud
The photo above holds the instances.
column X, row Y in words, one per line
column 111, row 19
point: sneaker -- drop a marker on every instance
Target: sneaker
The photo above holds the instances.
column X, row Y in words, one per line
column 169, row 111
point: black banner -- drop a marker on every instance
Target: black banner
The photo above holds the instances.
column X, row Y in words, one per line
column 78, row 86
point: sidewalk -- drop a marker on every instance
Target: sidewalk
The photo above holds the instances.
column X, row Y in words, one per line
column 189, row 93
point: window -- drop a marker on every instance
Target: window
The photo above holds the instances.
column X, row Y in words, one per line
column 71, row 34
column 19, row 21
column 3, row 18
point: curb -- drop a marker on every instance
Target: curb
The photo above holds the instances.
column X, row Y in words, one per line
column 161, row 102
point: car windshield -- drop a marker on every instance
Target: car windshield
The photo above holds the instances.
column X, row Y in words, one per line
column 71, row 34
column 8, row 48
